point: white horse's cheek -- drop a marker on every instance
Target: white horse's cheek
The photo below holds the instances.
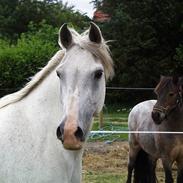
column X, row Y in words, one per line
column 101, row 96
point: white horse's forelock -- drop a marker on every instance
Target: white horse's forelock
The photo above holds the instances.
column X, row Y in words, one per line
column 35, row 81
column 101, row 50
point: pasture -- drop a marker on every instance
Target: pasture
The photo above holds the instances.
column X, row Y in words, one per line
column 66, row 93
column 105, row 156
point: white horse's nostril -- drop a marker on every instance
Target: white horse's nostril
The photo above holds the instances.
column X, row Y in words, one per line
column 79, row 134
column 60, row 132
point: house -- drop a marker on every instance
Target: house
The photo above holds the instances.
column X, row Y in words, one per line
column 100, row 16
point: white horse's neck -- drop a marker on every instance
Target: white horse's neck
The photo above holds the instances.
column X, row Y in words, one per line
column 41, row 110
column 46, row 100
column 46, row 96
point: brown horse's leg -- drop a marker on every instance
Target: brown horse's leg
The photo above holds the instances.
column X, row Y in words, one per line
column 130, row 169
column 153, row 176
column 144, row 169
column 180, row 170
column 168, row 171
column 180, row 176
column 131, row 162
column 168, row 176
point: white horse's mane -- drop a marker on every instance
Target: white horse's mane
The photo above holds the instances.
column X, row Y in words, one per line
column 35, row 81
column 99, row 50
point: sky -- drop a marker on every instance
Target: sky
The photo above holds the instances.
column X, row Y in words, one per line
column 83, row 6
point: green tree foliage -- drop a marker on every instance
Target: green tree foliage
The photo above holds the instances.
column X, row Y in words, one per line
column 148, row 39
column 179, row 59
column 147, row 33
column 22, row 60
column 15, row 15
column 29, row 35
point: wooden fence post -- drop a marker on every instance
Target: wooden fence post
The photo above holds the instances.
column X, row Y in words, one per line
column 101, row 119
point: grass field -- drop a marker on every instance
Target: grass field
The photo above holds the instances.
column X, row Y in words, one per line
column 103, row 161
column 115, row 119
column 105, row 156
column 103, row 177
column 107, row 163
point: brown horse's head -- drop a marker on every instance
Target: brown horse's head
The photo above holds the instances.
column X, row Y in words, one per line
column 169, row 93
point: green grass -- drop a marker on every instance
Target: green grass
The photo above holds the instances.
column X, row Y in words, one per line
column 114, row 119
column 103, row 177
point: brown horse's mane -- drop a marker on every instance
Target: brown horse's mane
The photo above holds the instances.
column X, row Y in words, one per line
column 164, row 81
column 168, row 80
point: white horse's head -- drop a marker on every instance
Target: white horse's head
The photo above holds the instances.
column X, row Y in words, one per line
column 83, row 73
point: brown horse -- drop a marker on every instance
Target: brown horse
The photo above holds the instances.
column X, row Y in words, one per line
column 163, row 115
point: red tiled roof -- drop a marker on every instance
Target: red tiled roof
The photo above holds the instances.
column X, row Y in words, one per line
column 99, row 16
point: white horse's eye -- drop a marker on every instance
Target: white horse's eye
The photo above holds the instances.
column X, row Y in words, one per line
column 98, row 74
column 59, row 74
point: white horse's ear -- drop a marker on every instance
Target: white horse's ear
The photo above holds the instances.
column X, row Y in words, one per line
column 95, row 34
column 65, row 37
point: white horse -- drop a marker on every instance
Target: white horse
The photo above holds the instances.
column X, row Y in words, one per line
column 29, row 119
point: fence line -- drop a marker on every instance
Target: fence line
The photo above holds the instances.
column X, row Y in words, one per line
column 101, row 115
column 108, row 88
column 124, row 88
column 134, row 132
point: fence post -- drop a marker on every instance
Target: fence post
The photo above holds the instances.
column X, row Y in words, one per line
column 101, row 119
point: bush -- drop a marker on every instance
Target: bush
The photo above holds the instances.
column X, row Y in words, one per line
column 23, row 59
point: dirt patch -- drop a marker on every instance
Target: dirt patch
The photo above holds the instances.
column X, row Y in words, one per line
column 111, row 158
column 99, row 156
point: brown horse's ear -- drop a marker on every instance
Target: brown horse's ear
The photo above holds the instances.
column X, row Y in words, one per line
column 175, row 80
column 95, row 34
column 65, row 37
column 162, row 77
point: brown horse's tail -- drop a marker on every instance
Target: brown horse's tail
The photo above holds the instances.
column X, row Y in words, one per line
column 144, row 169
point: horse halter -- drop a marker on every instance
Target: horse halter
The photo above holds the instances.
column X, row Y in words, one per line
column 167, row 110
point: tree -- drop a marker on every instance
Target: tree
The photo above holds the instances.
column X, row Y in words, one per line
column 148, row 37
column 15, row 15
column 31, row 52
